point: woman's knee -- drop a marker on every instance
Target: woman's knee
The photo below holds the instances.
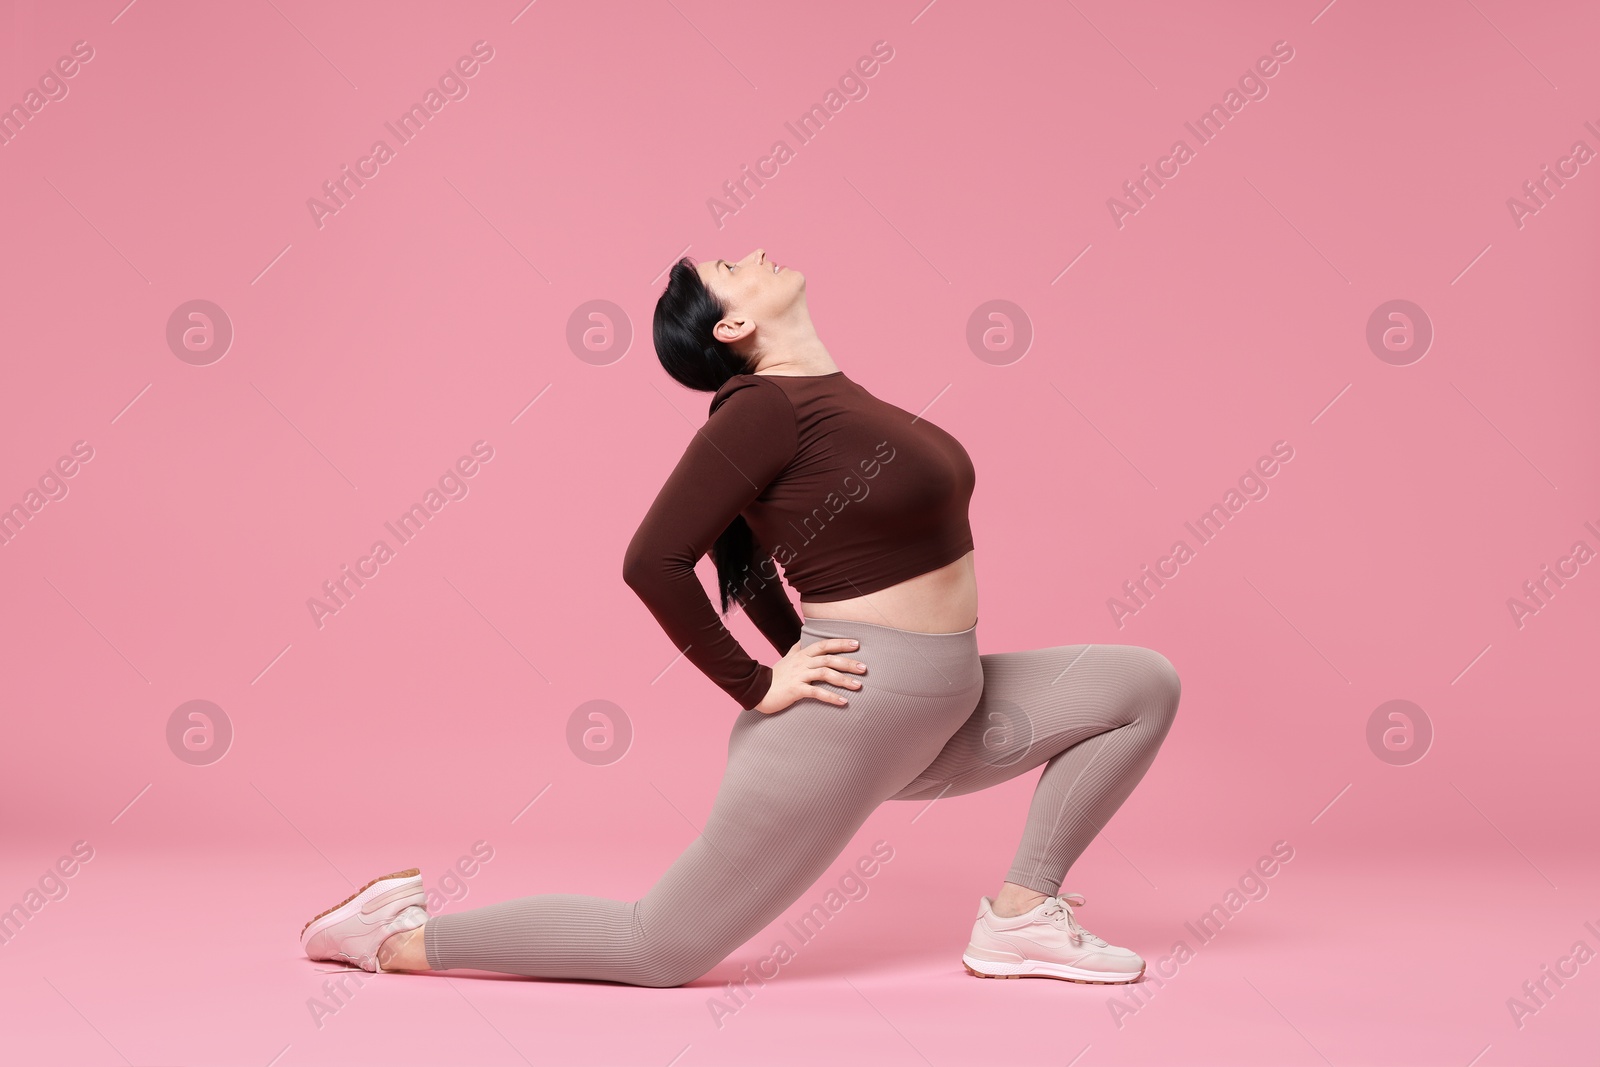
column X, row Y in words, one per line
column 667, row 976
column 668, row 961
column 1162, row 681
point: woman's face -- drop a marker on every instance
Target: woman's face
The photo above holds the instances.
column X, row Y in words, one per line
column 754, row 289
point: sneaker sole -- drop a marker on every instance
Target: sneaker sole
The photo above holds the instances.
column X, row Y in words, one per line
column 409, row 872
column 1040, row 969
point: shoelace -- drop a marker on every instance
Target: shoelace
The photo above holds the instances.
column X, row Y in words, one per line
column 1059, row 912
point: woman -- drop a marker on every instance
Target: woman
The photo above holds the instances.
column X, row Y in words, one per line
column 880, row 693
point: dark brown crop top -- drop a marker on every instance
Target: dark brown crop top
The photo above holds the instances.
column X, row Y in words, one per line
column 847, row 493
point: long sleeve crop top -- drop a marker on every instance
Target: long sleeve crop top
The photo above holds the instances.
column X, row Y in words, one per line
column 846, row 492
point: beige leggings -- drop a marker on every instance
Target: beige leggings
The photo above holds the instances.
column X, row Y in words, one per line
column 933, row 719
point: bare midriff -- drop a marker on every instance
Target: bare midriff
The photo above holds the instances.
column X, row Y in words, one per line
column 937, row 602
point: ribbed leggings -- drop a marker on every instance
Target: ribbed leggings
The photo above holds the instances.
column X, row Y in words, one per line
column 933, row 719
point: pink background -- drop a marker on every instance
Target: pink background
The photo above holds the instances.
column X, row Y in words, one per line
column 369, row 354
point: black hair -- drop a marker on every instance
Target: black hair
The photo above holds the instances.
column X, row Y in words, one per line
column 686, row 314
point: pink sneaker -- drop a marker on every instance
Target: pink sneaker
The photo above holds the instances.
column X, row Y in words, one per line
column 352, row 930
column 1046, row 942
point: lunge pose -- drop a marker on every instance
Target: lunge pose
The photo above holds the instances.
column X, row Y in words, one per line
column 879, row 693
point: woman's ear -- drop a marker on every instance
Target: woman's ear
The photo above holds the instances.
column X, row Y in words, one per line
column 731, row 330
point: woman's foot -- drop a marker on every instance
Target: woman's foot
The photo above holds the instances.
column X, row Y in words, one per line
column 1014, row 900
column 404, row 951
column 1046, row 942
column 353, row 930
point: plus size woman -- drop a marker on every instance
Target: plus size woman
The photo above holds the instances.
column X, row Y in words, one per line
column 879, row 692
